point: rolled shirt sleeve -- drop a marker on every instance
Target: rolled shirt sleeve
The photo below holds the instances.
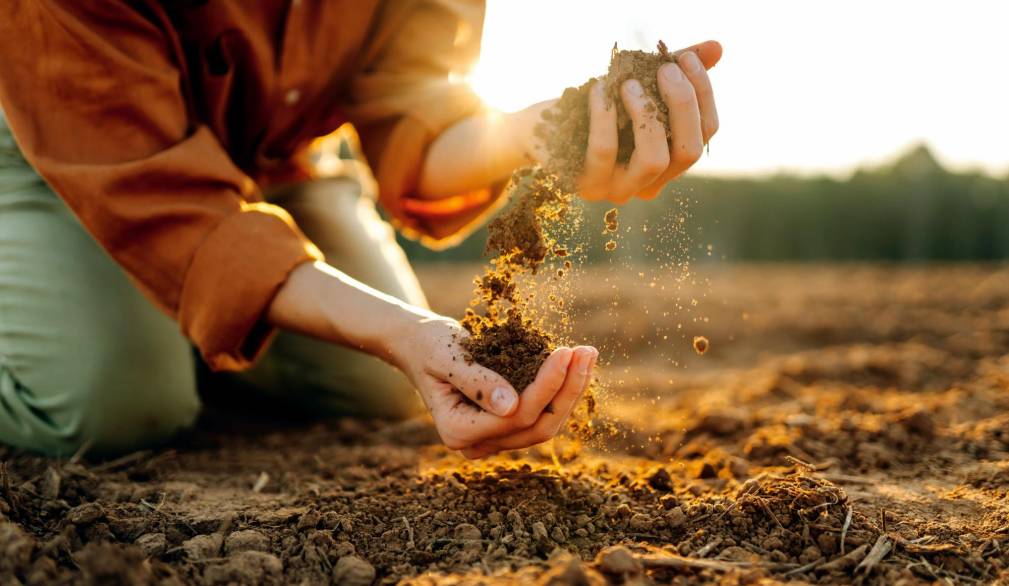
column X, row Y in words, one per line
column 92, row 92
column 405, row 94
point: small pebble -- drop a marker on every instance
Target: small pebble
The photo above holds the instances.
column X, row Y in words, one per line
column 467, row 532
column 539, row 531
column 661, row 480
column 676, row 517
column 618, row 560
column 203, row 547
column 247, row 540
column 152, row 544
column 310, row 520
column 85, row 514
column 247, row 567
column 353, row 571
column 640, row 522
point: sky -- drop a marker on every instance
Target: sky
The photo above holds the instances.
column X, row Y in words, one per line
column 804, row 87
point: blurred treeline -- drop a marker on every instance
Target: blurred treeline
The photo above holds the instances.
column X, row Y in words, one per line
column 911, row 210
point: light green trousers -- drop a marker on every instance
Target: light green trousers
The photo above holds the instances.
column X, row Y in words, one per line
column 86, row 360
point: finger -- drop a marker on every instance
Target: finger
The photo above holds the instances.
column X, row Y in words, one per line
column 687, row 142
column 651, row 152
column 462, row 424
column 577, row 381
column 601, row 153
column 484, row 387
column 693, row 68
column 710, row 52
column 544, row 388
column 477, row 453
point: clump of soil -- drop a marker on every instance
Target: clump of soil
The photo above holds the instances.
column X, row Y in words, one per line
column 502, row 337
column 515, row 348
column 565, row 127
column 644, row 67
column 700, row 345
column 610, row 219
column 517, row 236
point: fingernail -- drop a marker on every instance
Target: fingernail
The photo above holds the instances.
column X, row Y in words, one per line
column 584, row 361
column 635, row 88
column 672, row 72
column 690, row 61
column 502, row 400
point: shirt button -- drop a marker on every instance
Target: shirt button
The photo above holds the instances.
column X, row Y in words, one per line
column 292, row 97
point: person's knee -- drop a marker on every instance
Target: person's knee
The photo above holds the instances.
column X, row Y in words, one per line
column 105, row 410
column 115, row 423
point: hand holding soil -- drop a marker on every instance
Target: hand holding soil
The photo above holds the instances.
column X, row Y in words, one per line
column 478, row 411
column 633, row 131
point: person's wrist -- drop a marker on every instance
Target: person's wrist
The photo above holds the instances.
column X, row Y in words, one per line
column 521, row 130
column 402, row 334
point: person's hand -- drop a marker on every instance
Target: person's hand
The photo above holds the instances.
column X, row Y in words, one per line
column 475, row 410
column 693, row 120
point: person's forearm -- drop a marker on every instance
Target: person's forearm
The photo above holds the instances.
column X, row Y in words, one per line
column 478, row 151
column 319, row 301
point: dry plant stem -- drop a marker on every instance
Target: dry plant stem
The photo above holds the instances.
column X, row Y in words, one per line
column 879, row 551
column 681, row 562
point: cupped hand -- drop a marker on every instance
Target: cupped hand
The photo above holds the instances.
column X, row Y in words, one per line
column 476, row 410
column 693, row 120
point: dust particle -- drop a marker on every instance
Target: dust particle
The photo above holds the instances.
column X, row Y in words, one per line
column 700, row 345
column 611, row 246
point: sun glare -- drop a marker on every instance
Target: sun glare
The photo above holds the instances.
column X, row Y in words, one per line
column 803, row 86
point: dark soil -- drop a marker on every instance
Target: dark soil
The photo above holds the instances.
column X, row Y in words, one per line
column 744, row 468
column 513, row 347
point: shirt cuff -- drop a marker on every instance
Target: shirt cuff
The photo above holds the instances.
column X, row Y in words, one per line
column 437, row 223
column 232, row 280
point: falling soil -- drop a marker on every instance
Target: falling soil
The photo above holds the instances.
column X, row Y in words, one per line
column 610, row 221
column 700, row 345
column 817, row 447
column 519, row 240
column 501, row 337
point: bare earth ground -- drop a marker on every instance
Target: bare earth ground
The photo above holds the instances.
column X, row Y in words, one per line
column 848, row 423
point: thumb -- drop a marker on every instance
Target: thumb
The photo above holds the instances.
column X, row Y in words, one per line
column 486, row 388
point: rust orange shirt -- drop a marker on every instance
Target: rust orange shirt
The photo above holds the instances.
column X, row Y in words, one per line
column 158, row 122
